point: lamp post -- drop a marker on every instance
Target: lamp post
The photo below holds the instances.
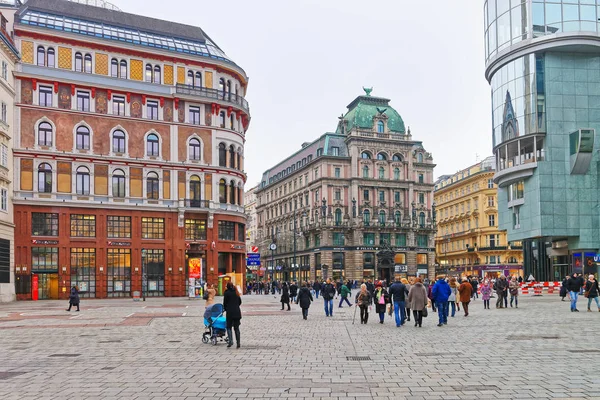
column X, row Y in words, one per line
column 296, row 267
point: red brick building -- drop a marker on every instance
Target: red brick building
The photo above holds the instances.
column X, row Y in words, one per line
column 129, row 154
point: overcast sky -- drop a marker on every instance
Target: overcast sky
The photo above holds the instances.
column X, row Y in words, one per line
column 307, row 60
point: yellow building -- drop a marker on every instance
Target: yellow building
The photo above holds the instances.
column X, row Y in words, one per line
column 468, row 241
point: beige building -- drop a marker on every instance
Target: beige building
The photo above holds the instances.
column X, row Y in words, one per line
column 332, row 206
column 9, row 56
column 251, row 222
column 468, row 240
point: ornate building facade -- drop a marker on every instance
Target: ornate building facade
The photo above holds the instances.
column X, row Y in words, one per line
column 331, row 206
column 468, row 239
column 128, row 154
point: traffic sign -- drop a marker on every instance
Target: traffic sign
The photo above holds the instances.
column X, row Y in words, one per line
column 254, row 249
column 253, row 255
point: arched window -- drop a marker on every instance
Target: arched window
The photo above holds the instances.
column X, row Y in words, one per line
column 118, row 142
column 82, row 138
column 195, row 191
column 152, row 147
column 114, row 68
column 194, row 149
column 87, row 63
column 365, row 155
column 397, row 174
column 229, row 90
column 118, row 183
column 366, row 217
column 78, row 62
column 148, row 73
column 222, row 119
column 231, row 192
column 44, row 178
column 381, row 157
column 420, row 157
column 239, row 160
column 422, row 220
column 365, row 171
column 398, row 218
column 222, row 87
column 45, row 134
column 381, row 173
column 222, row 155
column 152, row 188
column 338, row 217
column 50, row 57
column 381, row 217
column 190, row 78
column 198, row 80
column 222, row 191
column 82, row 181
column 41, row 56
column 231, row 121
column 157, row 74
column 397, row 157
column 379, row 126
column 231, row 157
column 123, row 69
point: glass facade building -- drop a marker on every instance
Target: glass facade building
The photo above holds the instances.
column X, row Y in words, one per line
column 543, row 66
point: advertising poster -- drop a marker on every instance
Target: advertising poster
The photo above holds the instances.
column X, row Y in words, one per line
column 83, row 286
column 152, row 285
column 195, row 265
column 118, row 286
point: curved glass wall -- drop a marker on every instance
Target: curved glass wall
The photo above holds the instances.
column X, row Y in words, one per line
column 506, row 23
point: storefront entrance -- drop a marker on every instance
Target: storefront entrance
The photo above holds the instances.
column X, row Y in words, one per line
column 47, row 286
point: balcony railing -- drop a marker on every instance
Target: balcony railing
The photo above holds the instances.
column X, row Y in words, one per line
column 193, row 203
column 492, row 248
column 213, row 94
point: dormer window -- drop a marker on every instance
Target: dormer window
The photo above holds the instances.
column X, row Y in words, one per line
column 380, row 127
column 335, row 151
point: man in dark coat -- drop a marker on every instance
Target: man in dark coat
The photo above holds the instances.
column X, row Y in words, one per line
column 501, row 289
column 317, row 288
column 398, row 293
column 370, row 287
column 74, row 298
column 574, row 286
column 231, row 304
column 285, row 297
column 328, row 294
column 304, row 299
column 474, row 285
column 293, row 291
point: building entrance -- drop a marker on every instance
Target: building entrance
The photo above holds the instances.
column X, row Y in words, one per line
column 47, row 286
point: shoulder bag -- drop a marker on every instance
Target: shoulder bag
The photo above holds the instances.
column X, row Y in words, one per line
column 425, row 312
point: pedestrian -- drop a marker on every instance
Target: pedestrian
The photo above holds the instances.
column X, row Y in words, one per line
column 563, row 288
column 398, row 293
column 231, row 304
column 453, row 299
column 293, row 291
column 304, row 299
column 363, row 300
column 344, row 293
column 573, row 286
column 211, row 292
column 408, row 286
column 486, row 293
column 317, row 289
column 382, row 298
column 592, row 291
column 513, row 289
column 466, row 290
column 430, row 297
column 370, row 287
column 501, row 287
column 285, row 297
column 417, row 299
column 74, row 298
column 328, row 292
column 475, row 285
column 440, row 293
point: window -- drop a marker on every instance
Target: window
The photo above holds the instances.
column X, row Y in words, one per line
column 4, row 70
column 422, row 259
column 152, row 145
column 198, row 82
column 83, row 225
column 194, row 149
column 380, row 126
column 118, row 140
column 195, row 229
column 190, row 78
column 516, row 191
column 381, row 196
column 222, row 119
column 421, row 178
column 397, row 174
column 365, row 171
column 493, row 240
column 335, row 151
column 123, row 69
column 516, row 213
column 338, row 239
column 152, row 186
column 492, row 220
column 337, row 194
column 232, row 193
column 421, row 240
column 398, row 218
column 44, row 259
column 422, row 220
column 45, row 96
column 118, row 105
column 222, row 155
column 4, row 199
column 490, row 184
column 338, row 217
column 397, row 157
column 337, row 172
column 194, row 115
column 365, row 155
column 87, row 67
column 44, row 178
column 156, row 74
column 381, row 157
column 78, row 62
column 381, row 217
column 222, row 191
column 490, row 201
column 41, row 56
column 317, row 240
column 83, row 101
column 82, row 138
column 3, row 116
column 231, row 156
column 385, row 238
column 118, row 227
column 396, row 197
column 83, row 270
column 226, row 230
column 114, row 68
column 366, row 217
column 118, row 183
column 400, row 239
column 319, row 152
column 338, row 260
column 152, row 109
column 366, row 195
column 153, row 228
column 148, row 73
column 4, row 156
column 82, row 181
column 368, row 238
column 381, row 173
column 419, row 157
column 44, row 224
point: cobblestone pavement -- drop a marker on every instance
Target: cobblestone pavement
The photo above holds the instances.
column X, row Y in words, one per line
column 153, row 349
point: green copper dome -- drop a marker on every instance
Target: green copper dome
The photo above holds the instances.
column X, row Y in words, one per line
column 362, row 110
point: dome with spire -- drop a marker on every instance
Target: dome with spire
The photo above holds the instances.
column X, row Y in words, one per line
column 362, row 111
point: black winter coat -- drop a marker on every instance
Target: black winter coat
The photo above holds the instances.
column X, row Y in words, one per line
column 304, row 298
column 317, row 286
column 231, row 304
column 398, row 292
column 592, row 289
column 293, row 290
column 328, row 291
column 285, row 295
column 573, row 284
column 74, row 297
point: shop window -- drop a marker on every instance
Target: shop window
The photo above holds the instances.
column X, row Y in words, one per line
column 226, row 230
column 241, row 232
column 83, row 271
column 83, row 225
column 44, row 259
column 118, row 272
column 44, row 224
column 153, row 228
column 153, row 264
column 422, row 259
column 118, row 226
column 195, row 229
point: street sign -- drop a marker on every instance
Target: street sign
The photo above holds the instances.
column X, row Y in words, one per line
column 253, row 260
column 254, row 249
column 253, row 255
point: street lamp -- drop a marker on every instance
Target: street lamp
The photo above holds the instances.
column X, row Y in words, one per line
column 296, row 268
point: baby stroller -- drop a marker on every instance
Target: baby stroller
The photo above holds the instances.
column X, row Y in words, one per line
column 215, row 324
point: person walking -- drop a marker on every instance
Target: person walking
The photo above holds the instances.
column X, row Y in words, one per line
column 592, row 291
column 74, row 298
column 344, row 293
column 285, row 297
column 563, row 288
column 475, row 285
column 453, row 299
column 398, row 292
column 317, row 288
column 501, row 287
column 486, row 294
column 304, row 299
column 573, row 286
column 417, row 299
column 408, row 286
column 328, row 292
column 382, row 298
column 430, row 296
column 513, row 289
column 363, row 301
column 440, row 293
column 233, row 314
column 466, row 291
column 211, row 292
column 293, row 291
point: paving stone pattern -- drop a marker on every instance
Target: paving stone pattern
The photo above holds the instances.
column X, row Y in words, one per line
column 153, row 350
